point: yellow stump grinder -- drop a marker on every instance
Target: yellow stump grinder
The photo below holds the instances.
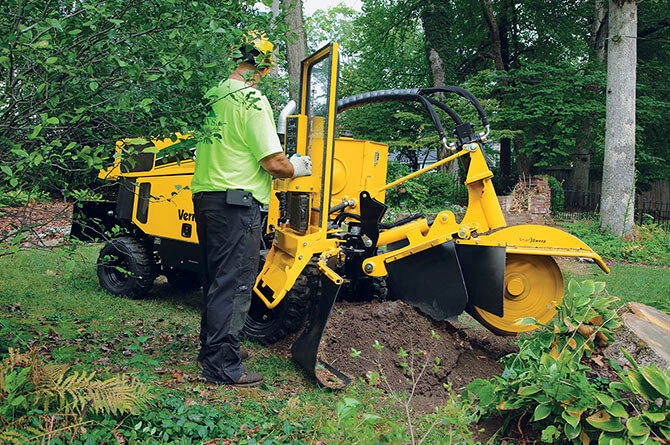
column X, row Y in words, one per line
column 327, row 236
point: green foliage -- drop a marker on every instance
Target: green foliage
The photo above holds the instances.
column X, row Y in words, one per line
column 431, row 190
column 557, row 194
column 29, row 387
column 19, row 198
column 650, row 244
column 75, row 80
column 546, row 380
column 637, row 408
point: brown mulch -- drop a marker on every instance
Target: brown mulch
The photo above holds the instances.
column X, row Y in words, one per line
column 47, row 223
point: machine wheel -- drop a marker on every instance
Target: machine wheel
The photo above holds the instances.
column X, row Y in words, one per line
column 126, row 266
column 268, row 326
column 532, row 284
column 183, row 279
column 366, row 289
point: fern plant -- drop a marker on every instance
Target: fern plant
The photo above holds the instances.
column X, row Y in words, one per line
column 27, row 383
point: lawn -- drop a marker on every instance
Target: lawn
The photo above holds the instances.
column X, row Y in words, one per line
column 72, row 321
column 630, row 282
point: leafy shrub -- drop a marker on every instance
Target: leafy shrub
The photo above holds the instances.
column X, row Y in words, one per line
column 18, row 198
column 546, row 381
column 650, row 244
column 430, row 190
column 557, row 194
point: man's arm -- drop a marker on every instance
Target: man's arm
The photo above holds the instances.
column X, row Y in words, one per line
column 277, row 165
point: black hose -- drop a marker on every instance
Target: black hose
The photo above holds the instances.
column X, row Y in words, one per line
column 434, row 117
column 401, row 95
column 452, row 114
column 339, row 218
column 463, row 93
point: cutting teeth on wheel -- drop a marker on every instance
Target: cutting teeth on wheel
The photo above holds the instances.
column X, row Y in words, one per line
column 533, row 285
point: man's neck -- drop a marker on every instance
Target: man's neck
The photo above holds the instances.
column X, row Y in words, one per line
column 244, row 74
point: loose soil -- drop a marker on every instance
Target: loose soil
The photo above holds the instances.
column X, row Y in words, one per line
column 438, row 353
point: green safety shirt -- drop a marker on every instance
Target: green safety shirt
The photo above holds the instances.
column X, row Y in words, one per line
column 244, row 132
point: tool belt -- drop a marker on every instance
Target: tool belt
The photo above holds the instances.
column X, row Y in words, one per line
column 236, row 197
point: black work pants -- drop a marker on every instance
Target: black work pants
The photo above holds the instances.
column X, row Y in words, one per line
column 229, row 237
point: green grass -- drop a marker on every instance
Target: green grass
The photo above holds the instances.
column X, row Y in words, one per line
column 644, row 284
column 73, row 321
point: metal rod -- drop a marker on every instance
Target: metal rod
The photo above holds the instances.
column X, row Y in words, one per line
column 423, row 170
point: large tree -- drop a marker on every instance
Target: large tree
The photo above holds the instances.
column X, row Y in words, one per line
column 296, row 43
column 618, row 187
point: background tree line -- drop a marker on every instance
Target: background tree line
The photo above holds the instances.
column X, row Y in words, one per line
column 77, row 76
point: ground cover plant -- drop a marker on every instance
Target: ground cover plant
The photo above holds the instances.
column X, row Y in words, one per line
column 64, row 315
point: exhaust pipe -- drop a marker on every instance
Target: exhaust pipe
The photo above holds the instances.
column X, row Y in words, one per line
column 288, row 110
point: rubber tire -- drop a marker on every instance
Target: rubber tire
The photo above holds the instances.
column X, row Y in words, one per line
column 183, row 279
column 133, row 255
column 288, row 317
column 367, row 289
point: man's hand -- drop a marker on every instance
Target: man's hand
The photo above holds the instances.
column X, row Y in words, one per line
column 302, row 165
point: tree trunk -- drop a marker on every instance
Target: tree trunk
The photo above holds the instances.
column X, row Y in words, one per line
column 500, row 65
column 578, row 185
column 435, row 19
column 599, row 30
column 522, row 161
column 296, row 44
column 494, row 32
column 581, row 165
column 618, row 188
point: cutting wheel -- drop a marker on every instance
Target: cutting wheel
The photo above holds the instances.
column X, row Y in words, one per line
column 532, row 284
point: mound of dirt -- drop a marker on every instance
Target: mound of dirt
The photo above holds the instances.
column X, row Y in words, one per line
column 410, row 350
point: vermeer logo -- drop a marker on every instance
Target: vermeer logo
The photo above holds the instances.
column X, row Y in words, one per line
column 185, row 216
column 533, row 240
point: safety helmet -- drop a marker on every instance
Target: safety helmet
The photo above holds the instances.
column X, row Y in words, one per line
column 252, row 45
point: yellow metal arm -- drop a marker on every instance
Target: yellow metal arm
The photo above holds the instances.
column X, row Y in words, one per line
column 423, row 170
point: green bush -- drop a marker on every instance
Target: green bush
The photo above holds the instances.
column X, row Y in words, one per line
column 18, row 198
column 432, row 190
column 650, row 244
column 557, row 194
column 546, row 383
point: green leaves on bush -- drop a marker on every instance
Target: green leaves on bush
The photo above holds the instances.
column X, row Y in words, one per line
column 649, row 244
column 546, row 382
column 432, row 190
column 557, row 195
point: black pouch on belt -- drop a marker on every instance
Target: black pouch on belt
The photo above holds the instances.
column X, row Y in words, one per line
column 239, row 198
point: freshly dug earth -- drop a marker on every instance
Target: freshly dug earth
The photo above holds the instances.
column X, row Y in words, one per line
column 438, row 352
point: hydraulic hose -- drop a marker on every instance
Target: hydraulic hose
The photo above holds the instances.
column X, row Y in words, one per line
column 401, row 95
column 463, row 93
column 452, row 114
